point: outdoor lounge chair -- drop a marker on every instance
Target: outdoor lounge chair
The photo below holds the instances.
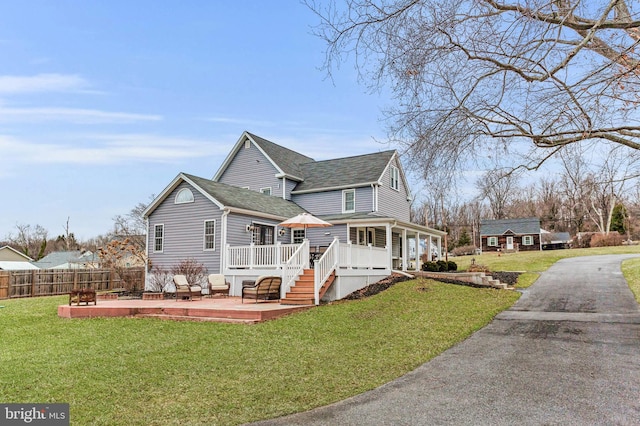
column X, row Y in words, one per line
column 265, row 288
column 218, row 285
column 184, row 289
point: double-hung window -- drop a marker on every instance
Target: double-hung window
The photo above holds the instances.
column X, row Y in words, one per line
column 209, row 235
column 395, row 178
column 348, row 201
column 492, row 241
column 527, row 240
column 158, row 238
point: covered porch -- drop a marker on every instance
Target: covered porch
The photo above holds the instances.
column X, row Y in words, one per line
column 369, row 251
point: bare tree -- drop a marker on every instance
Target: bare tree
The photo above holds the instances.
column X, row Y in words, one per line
column 31, row 240
column 498, row 187
column 472, row 77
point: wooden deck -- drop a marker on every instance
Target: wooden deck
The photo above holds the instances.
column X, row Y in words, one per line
column 217, row 309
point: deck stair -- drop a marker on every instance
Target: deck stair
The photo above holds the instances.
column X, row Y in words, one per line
column 301, row 292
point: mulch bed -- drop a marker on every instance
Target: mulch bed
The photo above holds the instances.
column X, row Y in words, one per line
column 510, row 278
column 376, row 288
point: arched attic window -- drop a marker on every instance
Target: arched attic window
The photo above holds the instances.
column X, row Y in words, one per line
column 184, row 196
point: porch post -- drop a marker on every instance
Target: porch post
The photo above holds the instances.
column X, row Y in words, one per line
column 405, row 252
column 418, row 252
column 439, row 247
column 389, row 248
column 279, row 255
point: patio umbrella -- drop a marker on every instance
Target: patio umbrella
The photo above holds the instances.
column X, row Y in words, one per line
column 305, row 220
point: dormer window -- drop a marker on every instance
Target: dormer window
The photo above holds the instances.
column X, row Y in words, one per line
column 395, row 178
column 266, row 191
column 184, row 196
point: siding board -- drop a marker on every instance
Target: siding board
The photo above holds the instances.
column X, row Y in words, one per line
column 249, row 168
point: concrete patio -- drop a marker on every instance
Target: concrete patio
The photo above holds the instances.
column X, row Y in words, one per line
column 216, row 309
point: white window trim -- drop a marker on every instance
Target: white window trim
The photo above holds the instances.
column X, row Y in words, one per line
column 297, row 230
column 204, row 235
column 394, row 172
column 266, row 188
column 369, row 235
column 190, row 199
column 247, row 144
column 527, row 240
column 490, row 239
column 155, row 238
column 344, row 200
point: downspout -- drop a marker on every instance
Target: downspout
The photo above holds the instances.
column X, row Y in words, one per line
column 146, row 253
column 374, row 198
column 284, row 188
column 223, row 242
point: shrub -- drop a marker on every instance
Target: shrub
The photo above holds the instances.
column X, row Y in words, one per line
column 464, row 250
column 159, row 279
column 476, row 267
column 195, row 271
column 583, row 240
column 430, row 267
column 606, row 240
column 439, row 266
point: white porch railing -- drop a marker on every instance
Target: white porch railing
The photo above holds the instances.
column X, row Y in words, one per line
column 362, row 257
column 323, row 268
column 258, row 256
column 295, row 265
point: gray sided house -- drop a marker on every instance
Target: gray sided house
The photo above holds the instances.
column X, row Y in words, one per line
column 230, row 223
column 507, row 235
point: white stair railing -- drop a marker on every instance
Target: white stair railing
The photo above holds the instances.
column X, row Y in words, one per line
column 294, row 267
column 323, row 268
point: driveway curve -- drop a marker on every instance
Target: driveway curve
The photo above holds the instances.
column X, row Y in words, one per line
column 568, row 352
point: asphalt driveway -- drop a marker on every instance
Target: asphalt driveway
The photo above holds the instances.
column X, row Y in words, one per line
column 568, row 352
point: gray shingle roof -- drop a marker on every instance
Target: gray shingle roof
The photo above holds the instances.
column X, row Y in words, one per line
column 340, row 172
column 233, row 196
column 289, row 161
column 57, row 258
column 529, row 225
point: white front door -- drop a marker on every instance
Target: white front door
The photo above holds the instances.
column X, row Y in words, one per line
column 509, row 243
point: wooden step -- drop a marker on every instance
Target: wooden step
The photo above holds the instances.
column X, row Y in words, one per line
column 297, row 301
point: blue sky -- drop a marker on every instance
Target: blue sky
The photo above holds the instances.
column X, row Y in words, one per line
column 102, row 104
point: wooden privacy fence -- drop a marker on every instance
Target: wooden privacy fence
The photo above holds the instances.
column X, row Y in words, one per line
column 49, row 282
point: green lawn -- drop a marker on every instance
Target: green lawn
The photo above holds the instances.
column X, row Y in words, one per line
column 534, row 262
column 154, row 372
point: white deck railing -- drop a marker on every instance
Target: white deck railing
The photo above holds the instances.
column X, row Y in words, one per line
column 323, row 268
column 259, row 256
column 354, row 256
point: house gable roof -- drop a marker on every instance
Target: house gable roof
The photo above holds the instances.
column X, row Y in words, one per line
column 11, row 254
column 530, row 225
column 231, row 197
column 286, row 161
column 347, row 172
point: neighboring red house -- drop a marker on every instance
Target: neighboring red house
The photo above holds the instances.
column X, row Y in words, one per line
column 509, row 235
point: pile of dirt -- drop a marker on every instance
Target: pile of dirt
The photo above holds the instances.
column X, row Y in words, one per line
column 376, row 288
